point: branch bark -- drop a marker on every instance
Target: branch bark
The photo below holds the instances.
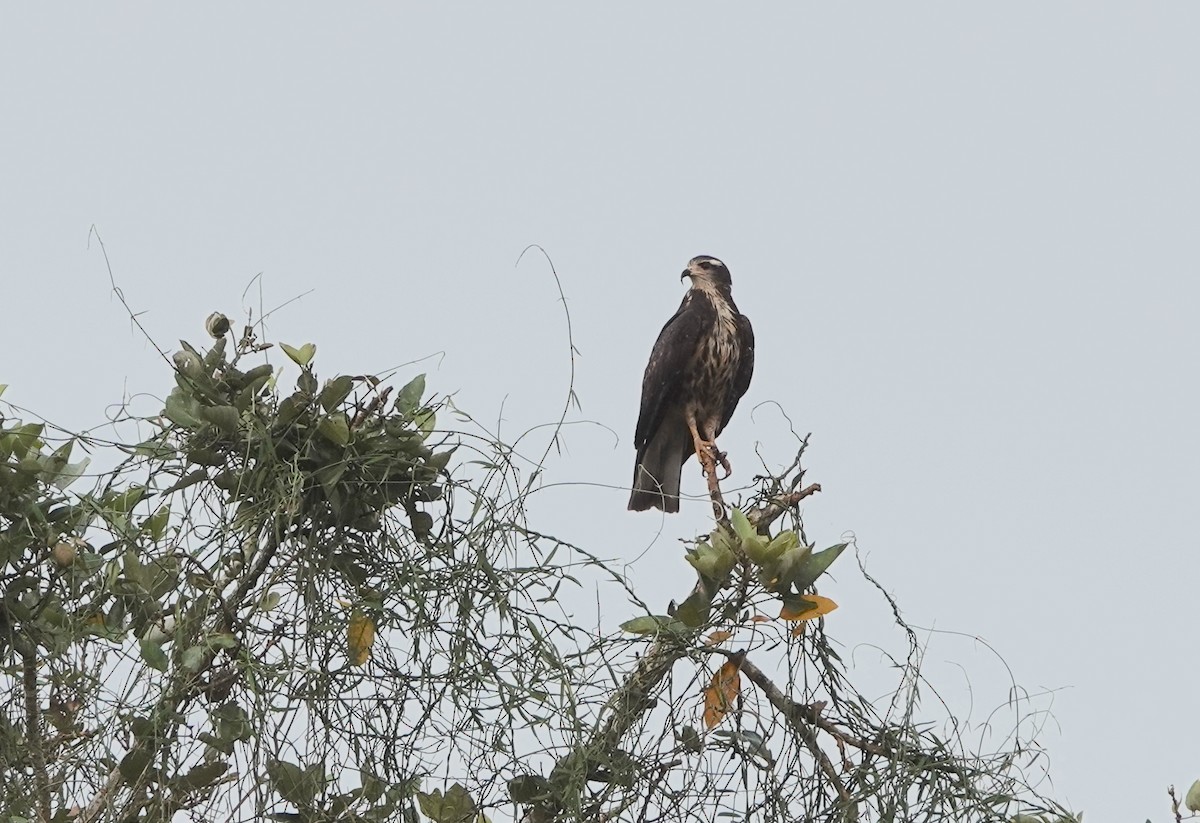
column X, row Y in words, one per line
column 33, row 728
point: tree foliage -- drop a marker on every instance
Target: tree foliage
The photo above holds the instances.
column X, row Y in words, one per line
column 326, row 602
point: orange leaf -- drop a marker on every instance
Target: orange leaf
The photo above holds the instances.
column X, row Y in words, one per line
column 360, row 636
column 718, row 637
column 721, row 692
column 821, row 606
column 798, row 629
column 760, row 618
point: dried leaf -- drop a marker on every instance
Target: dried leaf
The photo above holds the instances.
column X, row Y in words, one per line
column 807, row 607
column 360, row 636
column 718, row 637
column 721, row 693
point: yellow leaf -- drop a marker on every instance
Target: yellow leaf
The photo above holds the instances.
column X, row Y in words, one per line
column 720, row 694
column 360, row 636
column 821, row 607
column 718, row 637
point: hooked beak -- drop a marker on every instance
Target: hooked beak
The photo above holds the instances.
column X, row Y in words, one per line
column 686, row 273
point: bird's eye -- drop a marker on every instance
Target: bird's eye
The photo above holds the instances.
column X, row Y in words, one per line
column 706, row 265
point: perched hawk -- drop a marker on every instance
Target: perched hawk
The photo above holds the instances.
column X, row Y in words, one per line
column 699, row 368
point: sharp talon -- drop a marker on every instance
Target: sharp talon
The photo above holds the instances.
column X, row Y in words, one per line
column 722, row 458
column 708, row 456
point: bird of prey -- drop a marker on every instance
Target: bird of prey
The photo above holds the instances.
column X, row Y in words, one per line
column 699, row 368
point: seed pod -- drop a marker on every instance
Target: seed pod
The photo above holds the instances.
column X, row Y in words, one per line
column 217, row 325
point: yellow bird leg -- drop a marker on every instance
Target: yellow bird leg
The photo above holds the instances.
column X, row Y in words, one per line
column 707, row 452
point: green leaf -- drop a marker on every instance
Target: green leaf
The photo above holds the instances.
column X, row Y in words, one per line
column 123, row 502
column 713, row 562
column 301, row 356
column 225, row 418
column 222, row 640
column 154, row 655
column 440, row 459
column 202, row 777
column 162, row 576
column 335, row 428
column 779, row 574
column 3, row 386
column 71, row 472
column 224, row 746
column 216, row 355
column 1192, row 798
column 193, row 658
column 422, row 524
column 372, row 786
column 154, row 449
column 815, row 565
column 693, row 612
column 182, row 410
column 189, row 479
column 653, row 624
column 455, row 807
column 307, row 382
column 291, row 408
column 335, row 392
column 426, row 421
column 269, row 601
column 752, row 543
column 257, row 376
column 410, row 396
column 783, row 542
column 741, row 526
column 231, row 722
column 689, row 738
column 23, row 438
column 527, row 788
column 292, row 782
column 134, row 765
column 156, row 524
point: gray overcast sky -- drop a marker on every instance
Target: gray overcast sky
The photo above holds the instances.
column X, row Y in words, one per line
column 966, row 235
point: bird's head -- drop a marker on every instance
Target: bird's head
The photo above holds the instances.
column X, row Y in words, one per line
column 707, row 271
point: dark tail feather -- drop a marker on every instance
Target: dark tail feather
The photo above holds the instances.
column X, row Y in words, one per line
column 657, row 472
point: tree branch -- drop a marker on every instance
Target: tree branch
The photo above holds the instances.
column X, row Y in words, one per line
column 799, row 720
column 803, row 714
column 33, row 728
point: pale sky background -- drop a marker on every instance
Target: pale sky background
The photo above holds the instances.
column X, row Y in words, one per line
column 966, row 236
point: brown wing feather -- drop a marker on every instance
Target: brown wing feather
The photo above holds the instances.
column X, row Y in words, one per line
column 664, row 373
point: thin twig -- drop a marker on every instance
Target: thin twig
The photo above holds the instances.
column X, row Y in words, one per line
column 798, row 720
column 775, row 507
column 804, row 713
